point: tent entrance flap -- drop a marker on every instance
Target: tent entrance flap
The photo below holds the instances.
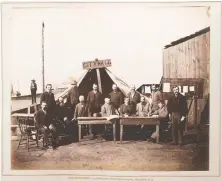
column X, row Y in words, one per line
column 91, row 77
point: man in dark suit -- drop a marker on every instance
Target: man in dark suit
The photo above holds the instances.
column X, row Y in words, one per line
column 49, row 98
column 134, row 98
column 177, row 108
column 33, row 88
column 72, row 98
column 94, row 103
column 94, row 100
column 116, row 97
column 44, row 125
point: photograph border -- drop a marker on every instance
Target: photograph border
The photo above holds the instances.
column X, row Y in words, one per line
column 215, row 79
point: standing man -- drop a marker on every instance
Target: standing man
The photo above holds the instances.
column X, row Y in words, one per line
column 49, row 98
column 134, row 98
column 33, row 89
column 177, row 108
column 94, row 102
column 156, row 97
column 116, row 97
column 72, row 98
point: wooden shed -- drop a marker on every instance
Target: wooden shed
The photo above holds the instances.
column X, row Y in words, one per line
column 186, row 62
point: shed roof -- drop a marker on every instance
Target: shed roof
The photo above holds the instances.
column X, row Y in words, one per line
column 181, row 40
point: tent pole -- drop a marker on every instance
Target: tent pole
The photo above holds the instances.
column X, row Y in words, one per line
column 99, row 80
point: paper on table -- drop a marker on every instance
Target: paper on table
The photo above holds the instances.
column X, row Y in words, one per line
column 112, row 117
column 147, row 89
column 192, row 88
column 185, row 89
column 166, row 87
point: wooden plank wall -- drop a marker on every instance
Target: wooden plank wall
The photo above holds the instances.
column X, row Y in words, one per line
column 190, row 59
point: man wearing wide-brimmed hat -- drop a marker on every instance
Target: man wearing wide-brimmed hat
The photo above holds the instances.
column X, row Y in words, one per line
column 33, row 89
column 73, row 97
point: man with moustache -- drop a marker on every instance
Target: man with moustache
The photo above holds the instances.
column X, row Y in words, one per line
column 177, row 108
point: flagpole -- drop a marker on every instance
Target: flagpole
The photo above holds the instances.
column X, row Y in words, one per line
column 43, row 71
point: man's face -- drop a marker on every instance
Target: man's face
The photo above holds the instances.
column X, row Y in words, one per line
column 81, row 99
column 107, row 101
column 160, row 105
column 176, row 91
column 142, row 99
column 44, row 106
column 126, row 101
column 49, row 88
column 95, row 87
column 153, row 88
column 60, row 100
column 114, row 87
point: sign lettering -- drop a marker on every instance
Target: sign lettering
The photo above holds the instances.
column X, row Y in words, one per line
column 97, row 64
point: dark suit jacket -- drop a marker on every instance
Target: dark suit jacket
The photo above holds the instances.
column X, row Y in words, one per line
column 177, row 105
column 116, row 99
column 135, row 99
column 40, row 118
column 61, row 111
column 73, row 96
column 81, row 110
column 33, row 87
column 94, row 101
column 50, row 101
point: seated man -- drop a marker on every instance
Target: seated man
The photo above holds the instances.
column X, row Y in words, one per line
column 143, row 108
column 126, row 109
column 162, row 113
column 43, row 127
column 107, row 109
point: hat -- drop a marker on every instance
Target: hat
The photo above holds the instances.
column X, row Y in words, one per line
column 74, row 82
column 33, row 80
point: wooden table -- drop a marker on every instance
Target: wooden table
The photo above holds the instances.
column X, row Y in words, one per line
column 139, row 121
column 95, row 120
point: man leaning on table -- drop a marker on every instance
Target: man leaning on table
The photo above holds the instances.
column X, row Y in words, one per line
column 126, row 109
column 177, row 108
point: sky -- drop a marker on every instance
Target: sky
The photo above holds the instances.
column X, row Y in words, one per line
column 131, row 35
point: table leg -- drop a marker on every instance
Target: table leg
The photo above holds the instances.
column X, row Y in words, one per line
column 158, row 134
column 114, row 132
column 121, row 133
column 80, row 134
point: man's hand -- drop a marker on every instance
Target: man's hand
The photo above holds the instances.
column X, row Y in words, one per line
column 65, row 119
column 126, row 115
column 182, row 118
column 45, row 127
column 170, row 117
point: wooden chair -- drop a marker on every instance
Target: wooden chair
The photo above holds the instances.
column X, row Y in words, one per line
column 26, row 132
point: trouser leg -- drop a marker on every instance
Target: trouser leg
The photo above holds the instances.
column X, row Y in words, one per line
column 175, row 130
column 180, row 133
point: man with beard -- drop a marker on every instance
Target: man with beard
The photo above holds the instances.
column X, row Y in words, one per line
column 177, row 108
column 94, row 103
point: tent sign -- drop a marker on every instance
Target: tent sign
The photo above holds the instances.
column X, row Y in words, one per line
column 97, row 64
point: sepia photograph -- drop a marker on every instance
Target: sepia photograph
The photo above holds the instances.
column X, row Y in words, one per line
column 109, row 86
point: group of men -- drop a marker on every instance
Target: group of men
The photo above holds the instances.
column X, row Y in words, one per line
column 95, row 105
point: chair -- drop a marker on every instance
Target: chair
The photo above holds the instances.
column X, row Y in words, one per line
column 27, row 133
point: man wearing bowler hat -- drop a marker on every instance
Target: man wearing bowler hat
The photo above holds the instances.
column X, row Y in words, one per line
column 72, row 98
column 33, row 88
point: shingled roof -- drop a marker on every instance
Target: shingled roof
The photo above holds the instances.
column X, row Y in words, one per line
column 181, row 40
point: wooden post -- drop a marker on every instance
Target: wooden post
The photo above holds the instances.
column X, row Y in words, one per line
column 80, row 134
column 99, row 80
column 114, row 131
column 121, row 133
column 43, row 68
column 158, row 133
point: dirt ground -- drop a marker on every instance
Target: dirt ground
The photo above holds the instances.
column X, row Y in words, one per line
column 107, row 155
